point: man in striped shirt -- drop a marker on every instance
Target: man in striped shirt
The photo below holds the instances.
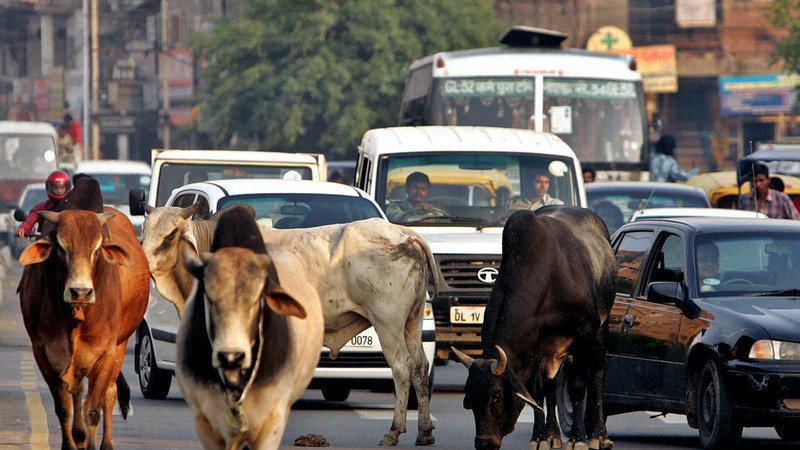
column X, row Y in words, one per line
column 761, row 198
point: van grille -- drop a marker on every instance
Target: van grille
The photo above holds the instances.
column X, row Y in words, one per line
column 461, row 273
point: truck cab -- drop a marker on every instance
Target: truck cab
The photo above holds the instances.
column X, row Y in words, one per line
column 477, row 177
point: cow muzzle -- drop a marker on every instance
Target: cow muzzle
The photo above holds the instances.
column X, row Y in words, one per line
column 487, row 442
column 231, row 366
column 79, row 296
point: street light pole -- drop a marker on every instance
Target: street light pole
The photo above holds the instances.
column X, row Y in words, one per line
column 85, row 102
column 164, row 70
column 95, row 129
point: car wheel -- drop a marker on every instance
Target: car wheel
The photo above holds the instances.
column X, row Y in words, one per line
column 563, row 400
column 715, row 419
column 335, row 392
column 412, row 393
column 789, row 431
column 154, row 382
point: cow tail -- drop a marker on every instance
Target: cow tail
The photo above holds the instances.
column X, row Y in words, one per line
column 433, row 271
column 123, row 396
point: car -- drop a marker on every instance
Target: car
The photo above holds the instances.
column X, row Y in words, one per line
column 665, row 213
column 116, row 179
column 723, row 191
column 280, row 204
column 31, row 194
column 714, row 338
column 616, row 201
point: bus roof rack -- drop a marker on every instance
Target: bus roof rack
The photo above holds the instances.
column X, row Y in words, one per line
column 522, row 36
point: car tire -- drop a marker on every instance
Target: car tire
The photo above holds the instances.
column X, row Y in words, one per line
column 789, row 431
column 716, row 422
column 412, row 393
column 335, row 392
column 153, row 382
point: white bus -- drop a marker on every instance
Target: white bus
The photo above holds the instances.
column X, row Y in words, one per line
column 593, row 101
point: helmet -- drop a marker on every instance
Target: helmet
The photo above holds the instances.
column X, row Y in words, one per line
column 56, row 180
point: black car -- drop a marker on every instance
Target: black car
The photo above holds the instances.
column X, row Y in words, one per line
column 615, row 202
column 706, row 323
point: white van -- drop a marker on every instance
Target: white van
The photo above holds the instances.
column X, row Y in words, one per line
column 475, row 173
column 175, row 168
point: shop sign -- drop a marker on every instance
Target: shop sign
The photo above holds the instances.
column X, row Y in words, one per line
column 758, row 95
column 117, row 124
column 696, row 13
column 658, row 67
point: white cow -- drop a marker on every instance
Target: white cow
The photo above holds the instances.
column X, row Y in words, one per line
column 368, row 272
column 249, row 340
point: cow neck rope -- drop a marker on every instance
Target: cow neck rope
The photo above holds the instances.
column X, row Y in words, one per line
column 234, row 414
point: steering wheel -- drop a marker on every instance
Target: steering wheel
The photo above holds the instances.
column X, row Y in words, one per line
column 419, row 211
column 738, row 280
column 447, row 201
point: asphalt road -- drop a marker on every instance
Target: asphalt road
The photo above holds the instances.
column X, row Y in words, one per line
column 27, row 418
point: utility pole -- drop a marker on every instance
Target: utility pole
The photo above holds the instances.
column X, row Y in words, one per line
column 85, row 103
column 163, row 69
column 95, row 81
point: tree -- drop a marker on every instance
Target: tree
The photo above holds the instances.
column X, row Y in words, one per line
column 785, row 14
column 314, row 75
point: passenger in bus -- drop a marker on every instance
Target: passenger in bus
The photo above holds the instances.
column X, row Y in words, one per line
column 415, row 206
column 536, row 195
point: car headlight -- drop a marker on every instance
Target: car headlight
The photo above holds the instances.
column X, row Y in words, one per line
column 767, row 349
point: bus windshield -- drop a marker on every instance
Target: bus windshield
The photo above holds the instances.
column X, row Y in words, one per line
column 601, row 120
column 471, row 188
column 27, row 156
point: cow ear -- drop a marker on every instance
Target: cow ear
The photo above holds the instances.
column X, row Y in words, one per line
column 282, row 303
column 50, row 216
column 115, row 254
column 36, row 252
column 521, row 392
column 192, row 262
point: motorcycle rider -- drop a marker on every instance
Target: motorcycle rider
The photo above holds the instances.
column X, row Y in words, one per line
column 57, row 186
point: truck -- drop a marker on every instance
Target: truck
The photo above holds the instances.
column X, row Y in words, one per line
column 474, row 174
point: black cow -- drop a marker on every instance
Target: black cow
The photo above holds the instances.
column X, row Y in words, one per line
column 550, row 301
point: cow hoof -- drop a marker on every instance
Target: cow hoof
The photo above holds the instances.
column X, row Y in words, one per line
column 580, row 445
column 426, row 439
column 556, row 443
column 570, row 446
column 606, row 444
column 388, row 441
column 594, row 444
column 539, row 445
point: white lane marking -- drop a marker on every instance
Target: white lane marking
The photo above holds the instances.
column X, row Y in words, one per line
column 40, row 433
column 372, row 414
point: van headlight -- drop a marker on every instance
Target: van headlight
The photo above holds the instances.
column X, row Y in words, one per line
column 767, row 349
column 428, row 311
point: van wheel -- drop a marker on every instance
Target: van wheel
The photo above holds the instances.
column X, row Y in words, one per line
column 153, row 382
column 789, row 431
column 715, row 419
column 335, row 392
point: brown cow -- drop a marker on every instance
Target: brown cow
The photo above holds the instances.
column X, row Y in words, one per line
column 83, row 292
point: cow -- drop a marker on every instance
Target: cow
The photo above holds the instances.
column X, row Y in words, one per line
column 83, row 292
column 249, row 338
column 550, row 302
column 368, row 272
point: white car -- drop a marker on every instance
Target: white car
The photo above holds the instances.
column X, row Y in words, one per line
column 31, row 194
column 117, row 178
column 665, row 213
column 280, row 204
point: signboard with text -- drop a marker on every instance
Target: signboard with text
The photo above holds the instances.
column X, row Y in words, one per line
column 758, row 95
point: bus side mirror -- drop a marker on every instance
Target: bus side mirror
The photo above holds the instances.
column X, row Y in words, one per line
column 136, row 202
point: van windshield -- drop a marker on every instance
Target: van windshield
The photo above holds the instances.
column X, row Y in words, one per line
column 173, row 175
column 27, row 156
column 471, row 188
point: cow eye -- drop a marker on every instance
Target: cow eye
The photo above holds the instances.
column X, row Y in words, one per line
column 171, row 236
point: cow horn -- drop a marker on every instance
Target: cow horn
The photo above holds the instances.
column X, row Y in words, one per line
column 49, row 216
column 148, row 209
column 465, row 359
column 105, row 217
column 189, row 210
column 499, row 365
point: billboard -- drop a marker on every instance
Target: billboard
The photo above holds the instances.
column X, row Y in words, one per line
column 758, row 95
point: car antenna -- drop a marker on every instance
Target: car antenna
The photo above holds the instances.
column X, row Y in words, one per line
column 752, row 176
column 647, row 202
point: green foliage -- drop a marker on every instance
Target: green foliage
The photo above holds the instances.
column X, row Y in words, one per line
column 785, row 14
column 314, row 75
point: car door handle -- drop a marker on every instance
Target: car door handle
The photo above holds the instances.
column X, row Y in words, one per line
column 628, row 321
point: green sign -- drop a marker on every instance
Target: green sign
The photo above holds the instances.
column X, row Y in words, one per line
column 488, row 87
column 611, row 90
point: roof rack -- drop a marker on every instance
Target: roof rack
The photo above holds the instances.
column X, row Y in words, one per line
column 522, row 36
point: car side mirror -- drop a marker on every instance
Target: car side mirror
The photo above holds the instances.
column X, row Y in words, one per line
column 672, row 292
column 136, row 202
column 19, row 215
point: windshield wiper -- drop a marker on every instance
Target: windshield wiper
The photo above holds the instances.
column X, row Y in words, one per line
column 452, row 218
column 493, row 223
column 780, row 292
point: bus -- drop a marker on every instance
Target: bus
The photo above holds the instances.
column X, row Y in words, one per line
column 593, row 101
column 28, row 153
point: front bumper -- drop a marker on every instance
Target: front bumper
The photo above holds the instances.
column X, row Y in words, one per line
column 766, row 394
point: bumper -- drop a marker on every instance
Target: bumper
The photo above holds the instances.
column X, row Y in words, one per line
column 766, row 395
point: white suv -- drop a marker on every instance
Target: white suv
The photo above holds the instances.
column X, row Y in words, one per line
column 280, row 204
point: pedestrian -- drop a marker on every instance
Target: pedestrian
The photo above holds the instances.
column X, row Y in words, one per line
column 761, row 198
column 663, row 166
column 57, row 185
column 73, row 129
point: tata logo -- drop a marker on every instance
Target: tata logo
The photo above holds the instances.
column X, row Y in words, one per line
column 488, row 275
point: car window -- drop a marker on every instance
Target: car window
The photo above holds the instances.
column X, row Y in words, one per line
column 630, row 254
column 628, row 202
column 184, row 200
column 304, row 210
column 203, row 209
column 668, row 263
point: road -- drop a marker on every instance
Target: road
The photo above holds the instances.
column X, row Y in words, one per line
column 27, row 418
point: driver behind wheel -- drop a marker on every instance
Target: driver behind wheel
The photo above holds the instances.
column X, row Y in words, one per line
column 415, row 206
column 708, row 265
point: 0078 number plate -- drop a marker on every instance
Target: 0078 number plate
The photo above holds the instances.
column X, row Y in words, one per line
column 467, row 314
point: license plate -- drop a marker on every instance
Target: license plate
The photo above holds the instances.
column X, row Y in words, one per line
column 366, row 339
column 467, row 314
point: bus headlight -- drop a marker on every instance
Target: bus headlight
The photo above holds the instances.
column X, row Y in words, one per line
column 767, row 349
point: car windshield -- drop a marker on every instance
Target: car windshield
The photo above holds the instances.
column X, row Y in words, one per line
column 471, row 188
column 616, row 208
column 747, row 263
column 304, row 210
column 174, row 175
column 115, row 186
column 27, row 156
